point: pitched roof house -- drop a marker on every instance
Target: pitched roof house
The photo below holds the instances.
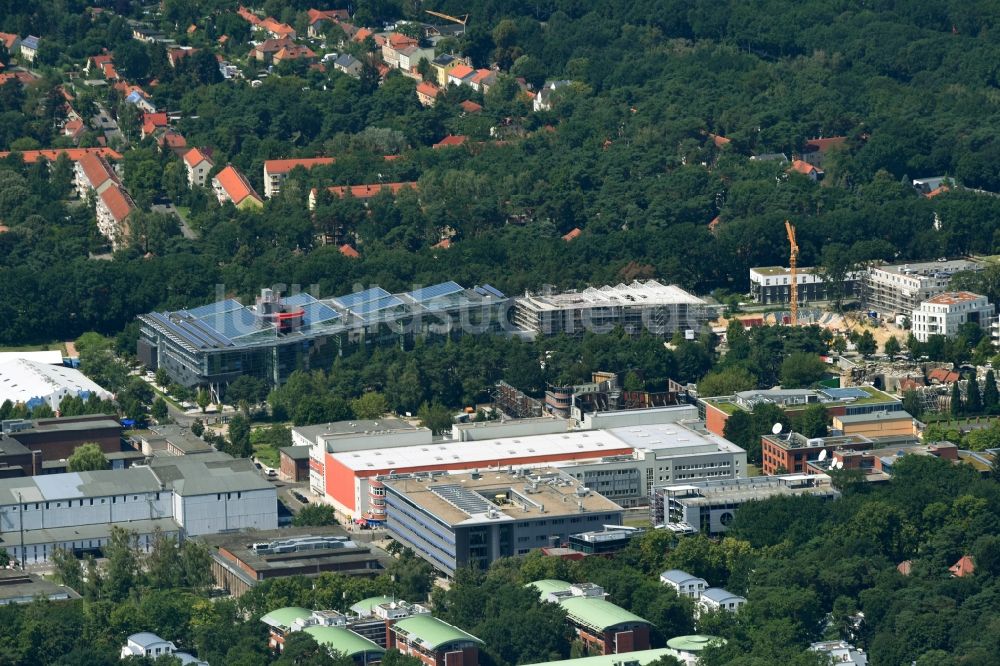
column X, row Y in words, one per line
column 427, row 93
column 276, row 171
column 231, row 185
column 198, row 166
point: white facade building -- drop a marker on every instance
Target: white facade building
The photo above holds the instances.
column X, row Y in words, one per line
column 899, row 289
column 77, row 510
column 683, row 583
column 945, row 313
column 841, row 652
column 146, row 644
column 198, row 166
column 716, row 599
column 32, row 383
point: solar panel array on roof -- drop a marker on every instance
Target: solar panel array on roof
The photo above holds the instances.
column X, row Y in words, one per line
column 466, row 500
column 235, row 323
column 299, row 299
column 436, row 291
column 844, row 393
column 215, row 308
column 378, row 305
column 490, row 290
column 192, row 331
column 317, row 313
column 357, row 298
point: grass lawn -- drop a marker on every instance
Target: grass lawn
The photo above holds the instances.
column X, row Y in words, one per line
column 43, row 347
column 636, row 519
column 753, row 470
column 267, row 455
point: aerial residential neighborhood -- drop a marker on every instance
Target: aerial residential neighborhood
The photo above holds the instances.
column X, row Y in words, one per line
column 472, row 334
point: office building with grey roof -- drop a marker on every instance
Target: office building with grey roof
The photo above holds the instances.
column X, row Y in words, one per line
column 214, row 344
column 77, row 510
column 457, row 520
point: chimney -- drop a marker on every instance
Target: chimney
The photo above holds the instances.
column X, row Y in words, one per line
column 36, row 463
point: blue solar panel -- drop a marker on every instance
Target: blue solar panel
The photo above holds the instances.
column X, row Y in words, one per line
column 436, row 291
column 493, row 291
column 378, row 305
column 299, row 299
column 215, row 308
column 359, row 297
column 317, row 313
column 234, row 324
column 843, row 393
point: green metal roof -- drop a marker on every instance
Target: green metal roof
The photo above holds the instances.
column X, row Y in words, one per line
column 641, row 657
column 365, row 606
column 431, row 632
column 597, row 613
column 547, row 586
column 342, row 640
column 284, row 617
column 693, row 643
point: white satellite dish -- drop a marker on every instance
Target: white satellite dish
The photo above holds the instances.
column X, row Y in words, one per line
column 822, row 455
column 839, row 464
column 776, row 429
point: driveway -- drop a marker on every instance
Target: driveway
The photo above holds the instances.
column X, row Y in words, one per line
column 169, row 208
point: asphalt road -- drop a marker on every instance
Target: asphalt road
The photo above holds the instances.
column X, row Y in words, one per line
column 169, row 209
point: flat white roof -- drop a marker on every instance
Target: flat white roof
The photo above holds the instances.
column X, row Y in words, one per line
column 52, row 357
column 487, row 453
column 637, row 294
column 670, row 438
column 22, row 381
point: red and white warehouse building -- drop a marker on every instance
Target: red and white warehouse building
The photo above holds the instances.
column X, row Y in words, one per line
column 620, row 463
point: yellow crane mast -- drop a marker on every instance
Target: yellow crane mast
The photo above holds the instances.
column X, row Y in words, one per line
column 793, row 259
column 461, row 20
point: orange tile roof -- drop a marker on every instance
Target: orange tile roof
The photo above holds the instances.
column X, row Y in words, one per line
column 362, row 34
column 823, row 145
column 316, row 15
column 428, row 89
column 284, row 166
column 156, row 119
column 100, row 60
column 460, row 72
column 172, row 140
column 798, row 166
column 470, row 107
column 194, row 157
column 118, row 202
column 8, row 40
column 964, row 567
column 294, row 52
column 273, row 45
column 73, row 127
column 74, row 154
column 905, row 567
column 719, row 141
column 368, row 191
column 276, row 27
column 400, row 41
column 714, row 224
column 235, row 184
column 943, row 375
column 937, row 191
column 952, row 297
column 575, row 233
column 389, row 158
column 480, row 75
column 249, row 16
column 25, row 78
column 450, row 141
column 96, row 169
column 443, row 244
column 349, row 251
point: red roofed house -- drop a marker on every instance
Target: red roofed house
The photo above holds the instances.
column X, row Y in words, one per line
column 276, row 171
column 460, row 74
column 808, row 170
column 198, row 166
column 965, row 566
column 10, row 42
column 943, row 376
column 109, row 71
column 26, row 78
column 362, row 34
column 713, row 226
column 113, row 208
column 152, row 122
column 450, row 141
column 470, row 107
column 294, row 52
column 73, row 129
column 393, row 45
column 97, row 62
column 175, row 55
column 266, row 50
column 172, row 141
column 349, row 251
column 719, row 141
column 574, row 234
column 231, row 185
column 815, row 151
column 248, row 16
column 93, row 173
column 277, row 29
column 74, row 154
column 320, row 20
column 442, row 244
column 427, row 93
column 362, row 191
column 483, row 80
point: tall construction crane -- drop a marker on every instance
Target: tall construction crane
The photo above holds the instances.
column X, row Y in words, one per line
column 461, row 20
column 793, row 260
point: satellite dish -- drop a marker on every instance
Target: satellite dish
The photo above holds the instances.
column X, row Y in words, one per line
column 839, row 464
column 822, row 455
column 776, row 429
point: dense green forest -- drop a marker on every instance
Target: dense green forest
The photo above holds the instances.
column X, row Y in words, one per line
column 912, row 86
